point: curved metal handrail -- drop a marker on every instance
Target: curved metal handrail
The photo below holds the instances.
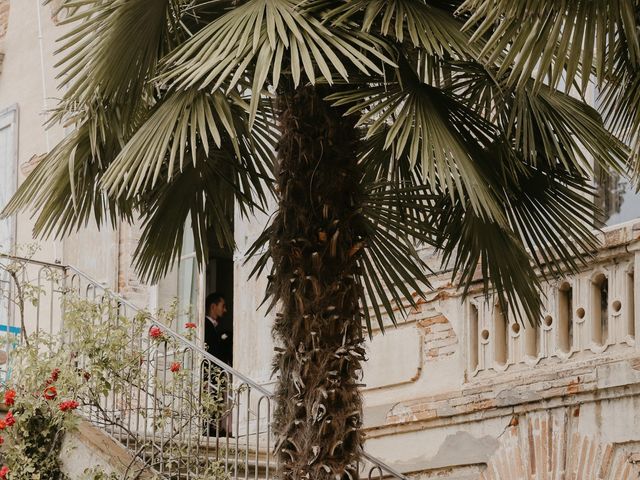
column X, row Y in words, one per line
column 174, row 334
column 376, row 464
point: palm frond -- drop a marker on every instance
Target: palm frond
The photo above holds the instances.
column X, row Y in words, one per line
column 550, row 219
column 543, row 123
column 63, row 189
column 620, row 102
column 561, row 40
column 392, row 270
column 271, row 37
column 555, row 125
column 112, row 46
column 482, row 250
column 432, row 29
column 181, row 123
column 207, row 191
column 433, row 129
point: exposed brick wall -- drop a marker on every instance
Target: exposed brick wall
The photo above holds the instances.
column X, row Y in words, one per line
column 440, row 340
column 573, row 383
column 548, row 446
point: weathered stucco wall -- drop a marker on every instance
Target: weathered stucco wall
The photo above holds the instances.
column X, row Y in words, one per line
column 91, row 448
column 435, row 409
column 26, row 81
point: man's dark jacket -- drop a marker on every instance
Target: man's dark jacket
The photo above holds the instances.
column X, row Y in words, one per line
column 219, row 340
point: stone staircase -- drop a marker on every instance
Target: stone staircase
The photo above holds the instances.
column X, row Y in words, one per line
column 136, row 416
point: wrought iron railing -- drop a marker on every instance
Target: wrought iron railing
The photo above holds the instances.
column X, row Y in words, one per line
column 237, row 439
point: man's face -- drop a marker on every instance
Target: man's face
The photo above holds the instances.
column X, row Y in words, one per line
column 217, row 310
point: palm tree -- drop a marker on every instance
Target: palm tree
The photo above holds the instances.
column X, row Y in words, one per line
column 377, row 125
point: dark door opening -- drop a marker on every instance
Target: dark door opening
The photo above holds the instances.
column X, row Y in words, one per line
column 219, row 279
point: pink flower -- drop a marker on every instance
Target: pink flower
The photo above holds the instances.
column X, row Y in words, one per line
column 68, row 405
column 175, row 367
column 155, row 332
column 3, row 471
column 9, row 419
column 190, row 325
column 9, row 397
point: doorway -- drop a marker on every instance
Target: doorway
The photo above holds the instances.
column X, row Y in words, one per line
column 219, row 278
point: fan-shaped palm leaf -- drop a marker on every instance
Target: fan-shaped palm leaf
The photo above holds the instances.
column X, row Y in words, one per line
column 270, row 37
column 556, row 38
column 432, row 29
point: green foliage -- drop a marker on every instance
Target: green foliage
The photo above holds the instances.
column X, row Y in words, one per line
column 97, row 473
column 174, row 102
column 100, row 354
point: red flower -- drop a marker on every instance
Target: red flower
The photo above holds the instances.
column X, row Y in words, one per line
column 50, row 393
column 54, row 374
column 155, row 332
column 9, row 397
column 68, row 405
column 190, row 325
column 3, row 471
column 3, row 424
column 9, row 419
column 1, row 440
column 175, row 367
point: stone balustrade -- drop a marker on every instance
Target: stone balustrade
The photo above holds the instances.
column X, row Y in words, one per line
column 589, row 313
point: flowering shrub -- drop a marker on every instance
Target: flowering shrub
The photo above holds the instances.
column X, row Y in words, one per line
column 112, row 369
column 94, row 359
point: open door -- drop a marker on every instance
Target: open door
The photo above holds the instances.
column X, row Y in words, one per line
column 219, row 278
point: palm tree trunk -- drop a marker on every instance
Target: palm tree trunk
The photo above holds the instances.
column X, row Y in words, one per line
column 316, row 235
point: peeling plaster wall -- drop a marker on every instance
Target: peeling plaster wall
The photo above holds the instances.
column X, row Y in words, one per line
column 429, row 414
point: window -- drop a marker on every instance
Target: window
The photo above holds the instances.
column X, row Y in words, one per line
column 565, row 317
column 600, row 309
column 188, row 280
column 182, row 283
column 473, row 337
column 500, row 335
column 8, row 172
column 631, row 314
column 8, row 183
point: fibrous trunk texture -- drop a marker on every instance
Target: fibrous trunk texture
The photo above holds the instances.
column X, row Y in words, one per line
column 317, row 233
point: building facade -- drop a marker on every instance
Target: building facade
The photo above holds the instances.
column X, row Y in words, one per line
column 458, row 390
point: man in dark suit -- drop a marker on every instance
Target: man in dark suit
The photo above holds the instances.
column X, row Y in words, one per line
column 218, row 334
column 218, row 337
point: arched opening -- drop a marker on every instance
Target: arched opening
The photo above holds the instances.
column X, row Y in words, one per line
column 474, row 339
column 600, row 309
column 631, row 304
column 501, row 336
column 531, row 341
column 565, row 317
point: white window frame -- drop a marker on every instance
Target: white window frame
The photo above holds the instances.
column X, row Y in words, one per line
column 9, row 119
